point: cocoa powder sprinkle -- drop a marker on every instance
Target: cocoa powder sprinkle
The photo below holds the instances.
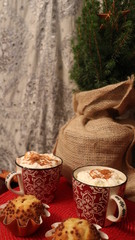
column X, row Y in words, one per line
column 101, row 173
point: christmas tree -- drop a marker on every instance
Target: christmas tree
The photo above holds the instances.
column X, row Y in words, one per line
column 104, row 44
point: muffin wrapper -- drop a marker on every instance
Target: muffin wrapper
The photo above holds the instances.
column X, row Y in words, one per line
column 22, row 231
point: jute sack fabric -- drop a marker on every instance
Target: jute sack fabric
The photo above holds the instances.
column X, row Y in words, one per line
column 102, row 131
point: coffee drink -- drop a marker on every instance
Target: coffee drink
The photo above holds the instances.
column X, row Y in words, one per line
column 37, row 174
column 98, row 192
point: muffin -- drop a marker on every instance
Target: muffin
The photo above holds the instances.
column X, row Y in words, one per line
column 24, row 214
column 73, row 229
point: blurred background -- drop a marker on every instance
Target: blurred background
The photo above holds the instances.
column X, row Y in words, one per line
column 35, row 88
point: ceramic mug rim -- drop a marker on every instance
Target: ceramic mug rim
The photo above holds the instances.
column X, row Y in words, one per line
column 39, row 169
column 102, row 166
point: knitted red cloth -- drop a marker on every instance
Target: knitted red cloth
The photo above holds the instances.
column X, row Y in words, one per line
column 63, row 207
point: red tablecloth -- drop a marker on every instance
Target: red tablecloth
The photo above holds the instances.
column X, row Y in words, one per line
column 63, row 207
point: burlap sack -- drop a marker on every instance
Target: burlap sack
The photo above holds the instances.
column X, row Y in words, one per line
column 102, row 131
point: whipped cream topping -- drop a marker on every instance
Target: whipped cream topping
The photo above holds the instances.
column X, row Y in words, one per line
column 35, row 160
column 100, row 177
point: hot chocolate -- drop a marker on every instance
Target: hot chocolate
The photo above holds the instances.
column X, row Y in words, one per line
column 100, row 177
column 35, row 160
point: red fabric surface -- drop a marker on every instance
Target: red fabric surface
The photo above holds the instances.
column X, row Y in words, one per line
column 63, row 207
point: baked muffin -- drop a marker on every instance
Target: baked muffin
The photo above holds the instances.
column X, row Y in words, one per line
column 24, row 214
column 74, row 229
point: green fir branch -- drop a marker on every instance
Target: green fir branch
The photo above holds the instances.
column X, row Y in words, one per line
column 103, row 47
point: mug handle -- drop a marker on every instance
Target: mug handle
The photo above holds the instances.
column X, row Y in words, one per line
column 8, row 182
column 122, row 209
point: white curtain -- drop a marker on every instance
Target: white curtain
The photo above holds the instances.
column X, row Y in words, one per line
column 35, row 88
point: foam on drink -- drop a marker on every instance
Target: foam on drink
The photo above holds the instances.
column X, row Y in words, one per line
column 100, row 177
column 35, row 160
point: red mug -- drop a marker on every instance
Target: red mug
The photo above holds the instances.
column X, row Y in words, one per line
column 101, row 205
column 42, row 182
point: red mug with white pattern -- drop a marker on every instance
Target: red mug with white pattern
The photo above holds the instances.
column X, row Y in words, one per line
column 39, row 176
column 98, row 193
